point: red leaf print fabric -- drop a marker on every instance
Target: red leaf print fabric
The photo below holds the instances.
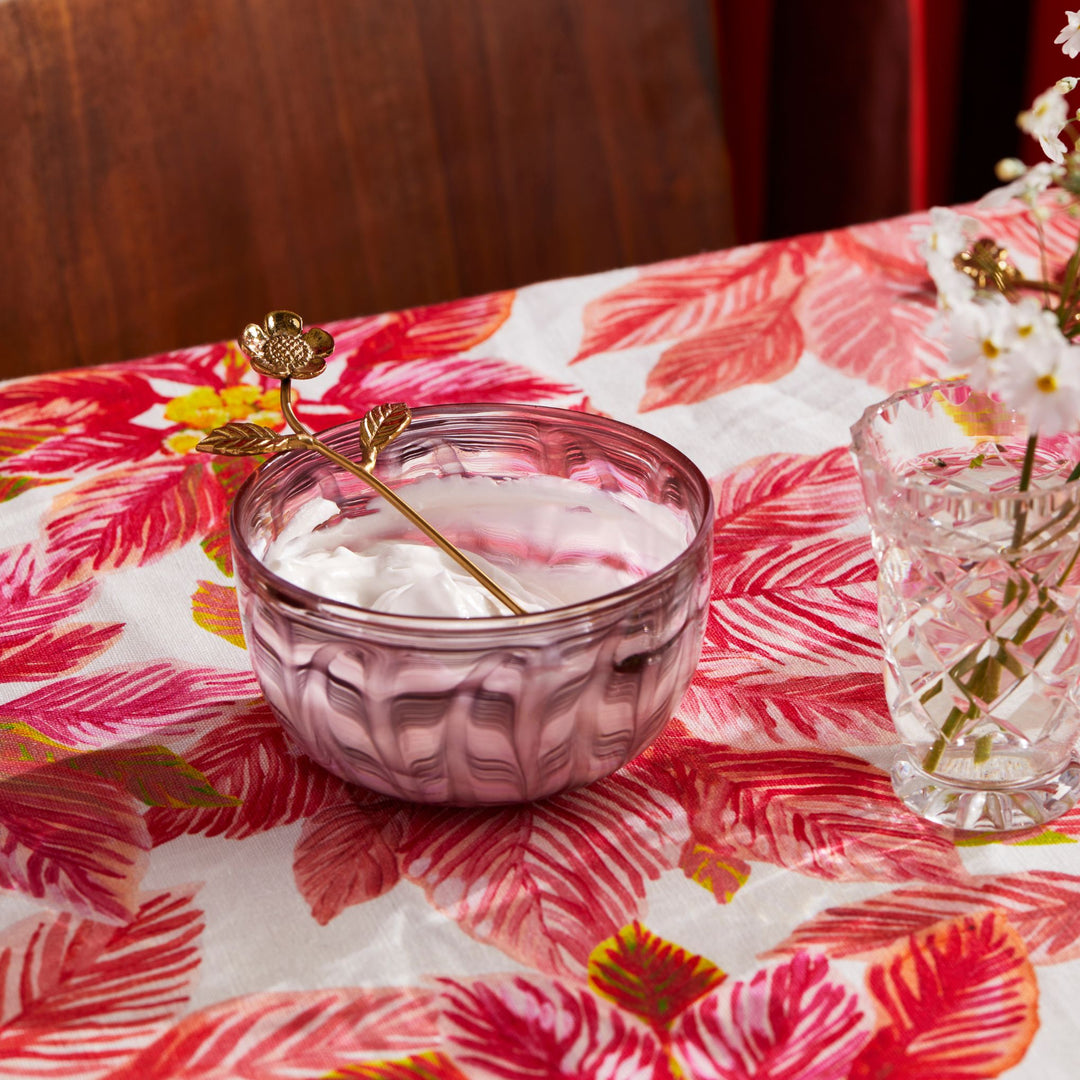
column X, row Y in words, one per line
column 434, row 331
column 249, row 759
column 76, row 451
column 75, row 842
column 131, row 516
column 74, row 401
column 346, row 854
column 791, row 652
column 547, row 881
column 785, row 496
column 793, row 1022
column 1043, row 906
column 958, row 1002
column 718, row 871
column 828, row 815
column 892, row 949
column 752, row 705
column 867, row 313
column 444, row 381
column 127, row 702
column 301, row 1034
column 809, row 600
column 731, row 316
column 38, row 639
column 526, row 1028
column 79, row 997
column 213, row 607
column 755, row 346
column 681, row 299
column 860, row 300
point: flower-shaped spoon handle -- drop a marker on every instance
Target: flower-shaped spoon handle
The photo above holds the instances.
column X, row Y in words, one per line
column 282, row 349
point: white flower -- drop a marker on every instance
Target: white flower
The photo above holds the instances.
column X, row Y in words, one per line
column 1018, row 352
column 1044, row 120
column 954, row 287
column 1069, row 38
column 947, row 234
column 1042, row 380
column 1006, row 348
column 1033, row 322
column 1066, row 85
column 1028, row 186
column 979, row 336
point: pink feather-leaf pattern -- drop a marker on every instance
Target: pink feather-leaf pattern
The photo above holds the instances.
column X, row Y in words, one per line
column 437, row 330
column 247, row 758
column 791, row 652
column 348, row 853
column 867, row 313
column 685, row 298
column 547, row 881
column 76, row 842
column 957, row 1001
column 1043, row 907
column 795, row 1021
column 38, row 637
column 129, row 701
column 767, row 500
column 303, row 1033
column 532, row 1028
column 133, row 515
column 79, row 997
column 756, row 346
column 828, row 815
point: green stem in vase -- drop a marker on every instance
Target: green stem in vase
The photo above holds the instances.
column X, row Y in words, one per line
column 1025, row 480
column 983, row 686
column 985, row 680
column 983, row 746
column 1070, row 515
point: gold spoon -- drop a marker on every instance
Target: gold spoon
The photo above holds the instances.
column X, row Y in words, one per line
column 282, row 349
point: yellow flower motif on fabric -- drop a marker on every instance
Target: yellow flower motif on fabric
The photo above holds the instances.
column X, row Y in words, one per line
column 282, row 349
column 183, row 443
column 205, row 408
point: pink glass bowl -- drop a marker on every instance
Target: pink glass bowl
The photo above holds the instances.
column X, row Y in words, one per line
column 466, row 711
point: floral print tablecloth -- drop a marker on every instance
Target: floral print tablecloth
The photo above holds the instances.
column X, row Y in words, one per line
column 184, row 897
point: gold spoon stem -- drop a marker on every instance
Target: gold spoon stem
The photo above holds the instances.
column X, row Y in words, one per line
column 395, row 501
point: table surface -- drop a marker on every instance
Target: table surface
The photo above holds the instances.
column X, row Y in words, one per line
column 182, row 897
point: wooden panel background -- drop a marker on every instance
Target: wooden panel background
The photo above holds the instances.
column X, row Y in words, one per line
column 172, row 169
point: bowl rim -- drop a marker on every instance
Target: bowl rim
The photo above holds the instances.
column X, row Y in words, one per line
column 475, row 627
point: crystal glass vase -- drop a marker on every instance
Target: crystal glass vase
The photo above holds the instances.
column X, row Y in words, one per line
column 976, row 531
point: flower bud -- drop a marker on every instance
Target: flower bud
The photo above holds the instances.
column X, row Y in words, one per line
column 1009, row 168
column 1066, row 85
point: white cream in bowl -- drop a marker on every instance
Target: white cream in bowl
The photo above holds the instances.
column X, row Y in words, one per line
column 549, row 542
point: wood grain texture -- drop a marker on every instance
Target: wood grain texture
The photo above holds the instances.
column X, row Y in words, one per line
column 172, row 169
